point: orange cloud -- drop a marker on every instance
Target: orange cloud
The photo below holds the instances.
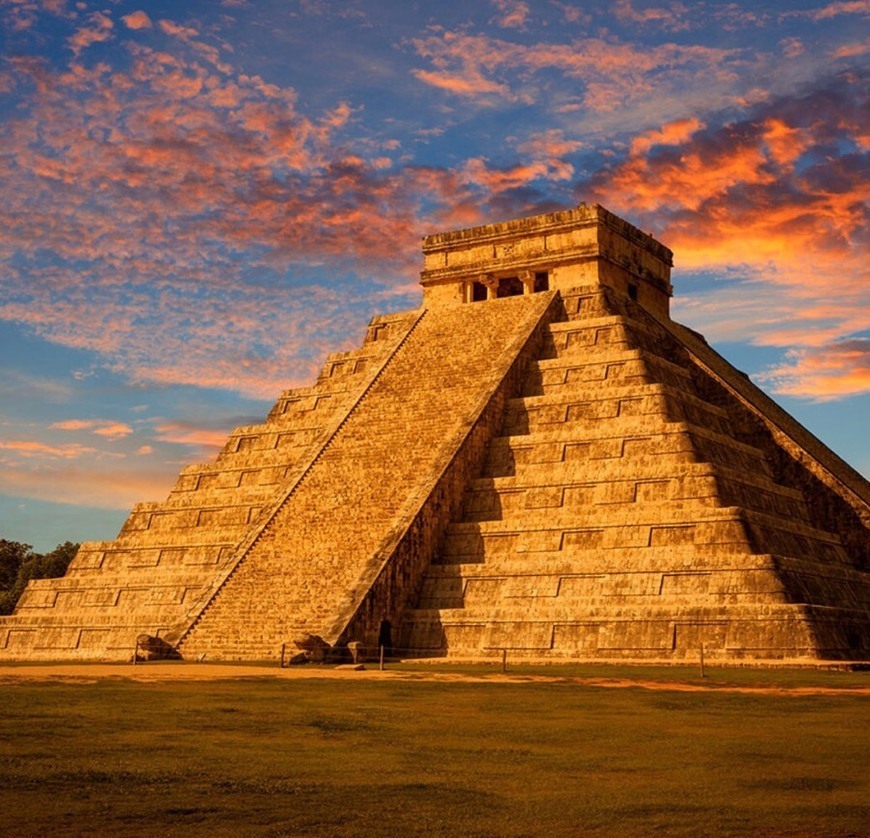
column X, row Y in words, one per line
column 763, row 199
column 137, row 20
column 672, row 133
column 107, row 428
column 32, row 448
column 477, row 172
column 824, row 373
column 185, row 433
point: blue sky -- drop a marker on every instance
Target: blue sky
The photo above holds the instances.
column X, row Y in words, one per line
column 203, row 199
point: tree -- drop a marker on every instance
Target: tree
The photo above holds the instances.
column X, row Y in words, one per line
column 12, row 555
column 29, row 565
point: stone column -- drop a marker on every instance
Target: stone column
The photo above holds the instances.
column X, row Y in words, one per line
column 528, row 280
column 491, row 284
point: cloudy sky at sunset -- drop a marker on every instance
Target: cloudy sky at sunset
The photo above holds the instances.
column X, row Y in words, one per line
column 200, row 200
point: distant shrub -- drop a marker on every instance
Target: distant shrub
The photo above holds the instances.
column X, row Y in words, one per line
column 19, row 564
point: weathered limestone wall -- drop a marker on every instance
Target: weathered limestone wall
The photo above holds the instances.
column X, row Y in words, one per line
column 584, row 246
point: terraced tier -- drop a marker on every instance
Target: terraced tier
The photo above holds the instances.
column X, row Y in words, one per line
column 169, row 554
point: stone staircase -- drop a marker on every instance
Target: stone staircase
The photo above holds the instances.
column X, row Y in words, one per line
column 168, row 554
column 620, row 516
column 304, row 573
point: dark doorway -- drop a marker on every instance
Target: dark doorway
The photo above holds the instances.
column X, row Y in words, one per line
column 511, row 286
column 385, row 637
column 542, row 281
column 478, row 292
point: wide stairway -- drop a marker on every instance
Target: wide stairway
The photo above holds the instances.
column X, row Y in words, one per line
column 620, row 516
column 302, row 574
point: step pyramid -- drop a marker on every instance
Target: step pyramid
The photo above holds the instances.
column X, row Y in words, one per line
column 538, row 462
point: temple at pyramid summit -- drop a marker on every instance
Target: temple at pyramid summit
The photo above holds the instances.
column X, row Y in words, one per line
column 537, row 461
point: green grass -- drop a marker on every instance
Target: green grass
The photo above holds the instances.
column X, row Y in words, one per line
column 368, row 757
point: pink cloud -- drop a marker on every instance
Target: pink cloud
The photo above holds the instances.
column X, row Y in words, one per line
column 851, row 51
column 514, row 13
column 137, row 20
column 549, row 145
column 185, row 433
column 792, row 47
column 177, row 30
column 848, row 7
column 468, row 83
column 99, row 30
column 613, row 75
column 673, row 17
column 87, row 483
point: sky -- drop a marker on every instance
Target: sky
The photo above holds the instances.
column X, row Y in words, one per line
column 201, row 200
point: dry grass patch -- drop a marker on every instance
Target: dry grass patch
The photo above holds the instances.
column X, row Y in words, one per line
column 367, row 757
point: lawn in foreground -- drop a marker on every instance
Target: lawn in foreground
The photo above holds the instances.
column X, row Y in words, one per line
column 368, row 757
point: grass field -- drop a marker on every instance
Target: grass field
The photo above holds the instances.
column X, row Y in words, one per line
column 376, row 757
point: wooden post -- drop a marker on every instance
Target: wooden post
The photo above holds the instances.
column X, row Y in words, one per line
column 136, row 652
column 702, row 661
column 381, row 667
column 283, row 647
column 504, row 660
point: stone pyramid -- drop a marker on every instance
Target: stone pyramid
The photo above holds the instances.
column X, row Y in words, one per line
column 538, row 460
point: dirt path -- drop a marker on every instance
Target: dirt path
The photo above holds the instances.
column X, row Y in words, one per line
column 154, row 673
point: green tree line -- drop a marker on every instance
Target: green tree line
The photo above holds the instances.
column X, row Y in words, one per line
column 19, row 564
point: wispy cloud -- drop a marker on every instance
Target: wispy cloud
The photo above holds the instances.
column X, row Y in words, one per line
column 81, row 483
column 192, row 183
column 673, row 16
column 610, row 74
column 513, row 14
column 847, row 7
column 208, row 440
column 108, row 428
column 98, row 29
column 838, row 369
column 33, row 448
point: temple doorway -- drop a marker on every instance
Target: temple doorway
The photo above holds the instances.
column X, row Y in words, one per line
column 510, row 286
